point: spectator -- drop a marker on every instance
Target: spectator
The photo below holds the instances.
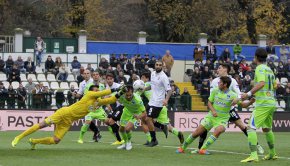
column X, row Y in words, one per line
column 232, row 71
column 3, row 95
column 14, row 74
column 12, row 95
column 75, row 65
column 133, row 78
column 225, row 55
column 151, row 62
column 2, row 65
column 9, row 63
column 238, row 51
column 196, row 78
column 29, row 65
column 175, row 87
column 284, row 54
column 122, row 61
column 280, row 93
column 130, row 66
column 70, row 95
column 210, row 65
column 185, row 100
column 80, row 77
column 29, row 87
column 89, row 67
column 272, row 66
column 280, row 71
column 117, row 70
column 46, row 98
column 198, row 64
column 168, row 60
column 236, row 66
column 250, row 72
column 287, row 99
column 146, row 58
column 58, row 64
column 145, row 69
column 20, row 64
column 271, row 51
column 138, row 63
column 205, row 73
column 244, row 66
column 238, row 79
column 121, row 79
column 197, row 52
column 210, row 52
column 49, row 65
column 113, row 60
column 37, row 97
column 246, row 83
column 287, row 70
column 39, row 47
column 104, row 63
column 204, row 92
column 62, row 73
column 21, row 97
column 172, row 100
column 59, row 98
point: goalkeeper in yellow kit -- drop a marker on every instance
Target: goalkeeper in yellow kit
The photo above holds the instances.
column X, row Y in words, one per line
column 64, row 117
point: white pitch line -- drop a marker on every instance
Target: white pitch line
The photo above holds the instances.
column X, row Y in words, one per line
column 175, row 147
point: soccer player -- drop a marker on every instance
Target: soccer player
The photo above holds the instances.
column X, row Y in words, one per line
column 262, row 116
column 219, row 103
column 133, row 110
column 83, row 88
column 159, row 85
column 63, row 118
column 99, row 113
column 223, row 70
column 162, row 120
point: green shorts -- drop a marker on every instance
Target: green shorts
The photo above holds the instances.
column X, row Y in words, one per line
column 127, row 117
column 163, row 117
column 262, row 117
column 210, row 122
column 99, row 114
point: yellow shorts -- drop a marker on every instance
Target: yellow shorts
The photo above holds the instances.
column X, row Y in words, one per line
column 62, row 120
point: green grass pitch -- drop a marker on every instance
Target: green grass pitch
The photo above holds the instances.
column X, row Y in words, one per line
column 228, row 150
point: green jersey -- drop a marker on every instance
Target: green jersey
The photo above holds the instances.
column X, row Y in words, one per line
column 222, row 102
column 101, row 87
column 265, row 96
column 135, row 106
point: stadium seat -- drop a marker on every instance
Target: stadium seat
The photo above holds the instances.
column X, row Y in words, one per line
column 24, row 83
column 15, row 84
column 3, row 77
column 38, row 70
column 75, row 84
column 6, row 84
column 70, row 78
column 51, row 77
column 54, row 85
column 64, row 85
column 41, row 78
column 32, row 76
column 127, row 77
column 23, row 77
column 45, row 84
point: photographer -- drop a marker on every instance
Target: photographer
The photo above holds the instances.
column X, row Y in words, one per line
column 21, row 93
column 71, row 95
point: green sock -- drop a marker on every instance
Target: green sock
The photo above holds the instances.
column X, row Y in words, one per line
column 188, row 141
column 129, row 135
column 211, row 139
column 252, row 139
column 270, row 140
column 84, row 129
column 148, row 136
column 124, row 136
column 175, row 131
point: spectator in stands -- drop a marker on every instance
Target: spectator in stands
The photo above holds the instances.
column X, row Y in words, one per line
column 210, row 52
column 138, row 63
column 2, row 65
column 11, row 97
column 117, row 70
column 198, row 52
column 29, row 65
column 196, row 78
column 280, row 93
column 59, row 98
column 14, row 74
column 75, row 65
column 121, row 78
column 172, row 100
column 37, row 97
column 210, row 65
column 130, row 66
column 185, row 100
column 271, row 51
column 238, row 79
column 236, row 66
column 152, row 62
column 29, row 86
column 204, row 92
column 49, row 65
column 21, row 97
column 104, row 63
column 39, row 47
column 80, row 77
column 3, row 95
column 244, row 65
column 284, row 54
column 146, row 57
column 253, row 65
column 20, row 64
column 205, row 74
column 9, row 63
column 175, row 87
column 113, row 60
column 246, row 83
column 238, row 51
column 272, row 66
column 133, row 78
column 62, row 73
column 198, row 64
column 168, row 60
column 232, row 71
column 287, row 99
column 145, row 69
column 46, row 98
column 70, row 95
column 250, row 72
column 280, row 71
column 122, row 61
column 89, row 67
column 225, row 55
column 287, row 70
column 58, row 63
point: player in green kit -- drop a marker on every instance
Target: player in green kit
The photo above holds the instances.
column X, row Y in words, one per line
column 162, row 121
column 134, row 110
column 220, row 101
column 262, row 116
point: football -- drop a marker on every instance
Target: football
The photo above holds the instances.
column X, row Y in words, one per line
column 138, row 85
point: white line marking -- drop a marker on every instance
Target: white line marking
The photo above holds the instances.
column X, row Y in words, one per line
column 175, row 147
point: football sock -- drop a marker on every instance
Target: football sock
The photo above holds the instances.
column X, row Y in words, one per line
column 84, row 129
column 174, row 131
column 211, row 139
column 202, row 138
column 115, row 129
column 148, row 136
column 124, row 136
column 252, row 139
column 129, row 135
column 270, row 140
column 159, row 125
column 188, row 141
column 94, row 128
column 29, row 131
column 153, row 135
column 46, row 141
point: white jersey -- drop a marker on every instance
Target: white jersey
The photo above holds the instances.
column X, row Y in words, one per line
column 114, row 86
column 83, row 85
column 233, row 87
column 159, row 86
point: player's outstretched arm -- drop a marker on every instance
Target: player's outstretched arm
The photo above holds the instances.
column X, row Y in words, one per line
column 106, row 101
column 99, row 93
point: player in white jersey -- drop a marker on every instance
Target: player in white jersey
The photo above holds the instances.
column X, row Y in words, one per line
column 223, row 70
column 159, row 86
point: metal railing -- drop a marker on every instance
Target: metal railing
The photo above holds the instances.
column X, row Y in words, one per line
column 6, row 43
